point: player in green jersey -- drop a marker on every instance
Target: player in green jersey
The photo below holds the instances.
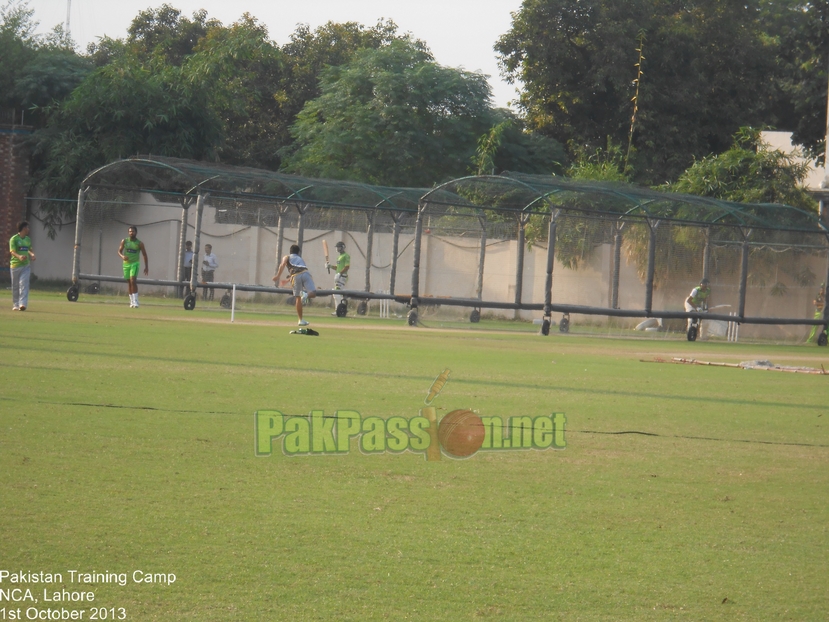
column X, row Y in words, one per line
column 20, row 249
column 819, row 302
column 341, row 278
column 128, row 252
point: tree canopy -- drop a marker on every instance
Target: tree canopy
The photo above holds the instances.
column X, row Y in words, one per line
column 748, row 172
column 710, row 67
column 371, row 104
column 392, row 116
column 35, row 70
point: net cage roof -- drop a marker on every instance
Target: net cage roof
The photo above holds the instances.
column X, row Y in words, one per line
column 507, row 192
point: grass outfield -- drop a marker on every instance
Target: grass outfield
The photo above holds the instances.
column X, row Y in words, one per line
column 128, row 445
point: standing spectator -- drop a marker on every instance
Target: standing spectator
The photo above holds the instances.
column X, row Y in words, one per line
column 188, row 266
column 128, row 252
column 301, row 281
column 209, row 266
column 20, row 247
column 188, row 260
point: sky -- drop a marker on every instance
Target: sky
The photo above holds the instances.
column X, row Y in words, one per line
column 460, row 33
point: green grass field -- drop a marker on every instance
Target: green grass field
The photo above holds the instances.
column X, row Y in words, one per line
column 127, row 445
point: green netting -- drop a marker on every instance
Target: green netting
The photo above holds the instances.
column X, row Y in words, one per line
column 508, row 192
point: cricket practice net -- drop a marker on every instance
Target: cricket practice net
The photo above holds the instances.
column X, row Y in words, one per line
column 574, row 257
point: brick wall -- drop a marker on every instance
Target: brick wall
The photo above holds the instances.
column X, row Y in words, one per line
column 14, row 178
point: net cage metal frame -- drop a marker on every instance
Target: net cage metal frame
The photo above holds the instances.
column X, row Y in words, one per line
column 483, row 205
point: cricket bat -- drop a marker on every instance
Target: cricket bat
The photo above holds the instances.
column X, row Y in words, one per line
column 325, row 250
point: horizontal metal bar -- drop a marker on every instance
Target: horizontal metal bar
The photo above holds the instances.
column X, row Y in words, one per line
column 478, row 304
column 355, row 294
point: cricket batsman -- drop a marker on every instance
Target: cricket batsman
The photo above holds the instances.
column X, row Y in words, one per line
column 341, row 277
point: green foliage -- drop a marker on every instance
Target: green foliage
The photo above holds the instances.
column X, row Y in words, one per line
column 18, row 46
column 526, row 151
column 392, row 116
column 748, row 172
column 484, row 160
column 223, row 92
column 51, row 76
column 243, row 72
column 309, row 53
column 606, row 164
column 707, row 73
column 120, row 110
column 578, row 237
column 164, row 33
column 801, row 32
column 35, row 70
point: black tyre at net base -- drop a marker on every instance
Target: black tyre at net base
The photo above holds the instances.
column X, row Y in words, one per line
column 412, row 318
column 475, row 316
column 545, row 327
column 692, row 333
column 822, row 339
column 72, row 294
column 342, row 309
column 189, row 302
column 362, row 308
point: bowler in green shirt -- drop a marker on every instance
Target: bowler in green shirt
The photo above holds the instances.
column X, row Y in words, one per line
column 20, row 249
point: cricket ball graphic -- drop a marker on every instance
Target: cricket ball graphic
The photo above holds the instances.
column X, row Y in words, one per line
column 461, row 433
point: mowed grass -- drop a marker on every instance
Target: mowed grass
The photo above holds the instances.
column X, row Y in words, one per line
column 127, row 444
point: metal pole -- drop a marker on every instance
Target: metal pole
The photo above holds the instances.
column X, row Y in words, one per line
column 519, row 264
column 182, row 238
column 280, row 237
column 76, row 255
column 706, row 254
column 300, row 232
column 394, row 245
column 551, row 258
column 826, row 282
column 741, row 308
column 481, row 257
column 617, row 260
column 825, row 183
column 651, row 266
column 369, row 248
column 100, row 248
column 418, row 234
column 194, row 273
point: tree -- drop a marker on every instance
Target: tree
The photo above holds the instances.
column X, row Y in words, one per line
column 120, row 110
column 18, row 46
column 801, row 30
column 706, row 72
column 164, row 32
column 308, row 54
column 49, row 77
column 36, row 70
column 749, row 172
column 392, row 116
column 525, row 151
column 244, row 73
